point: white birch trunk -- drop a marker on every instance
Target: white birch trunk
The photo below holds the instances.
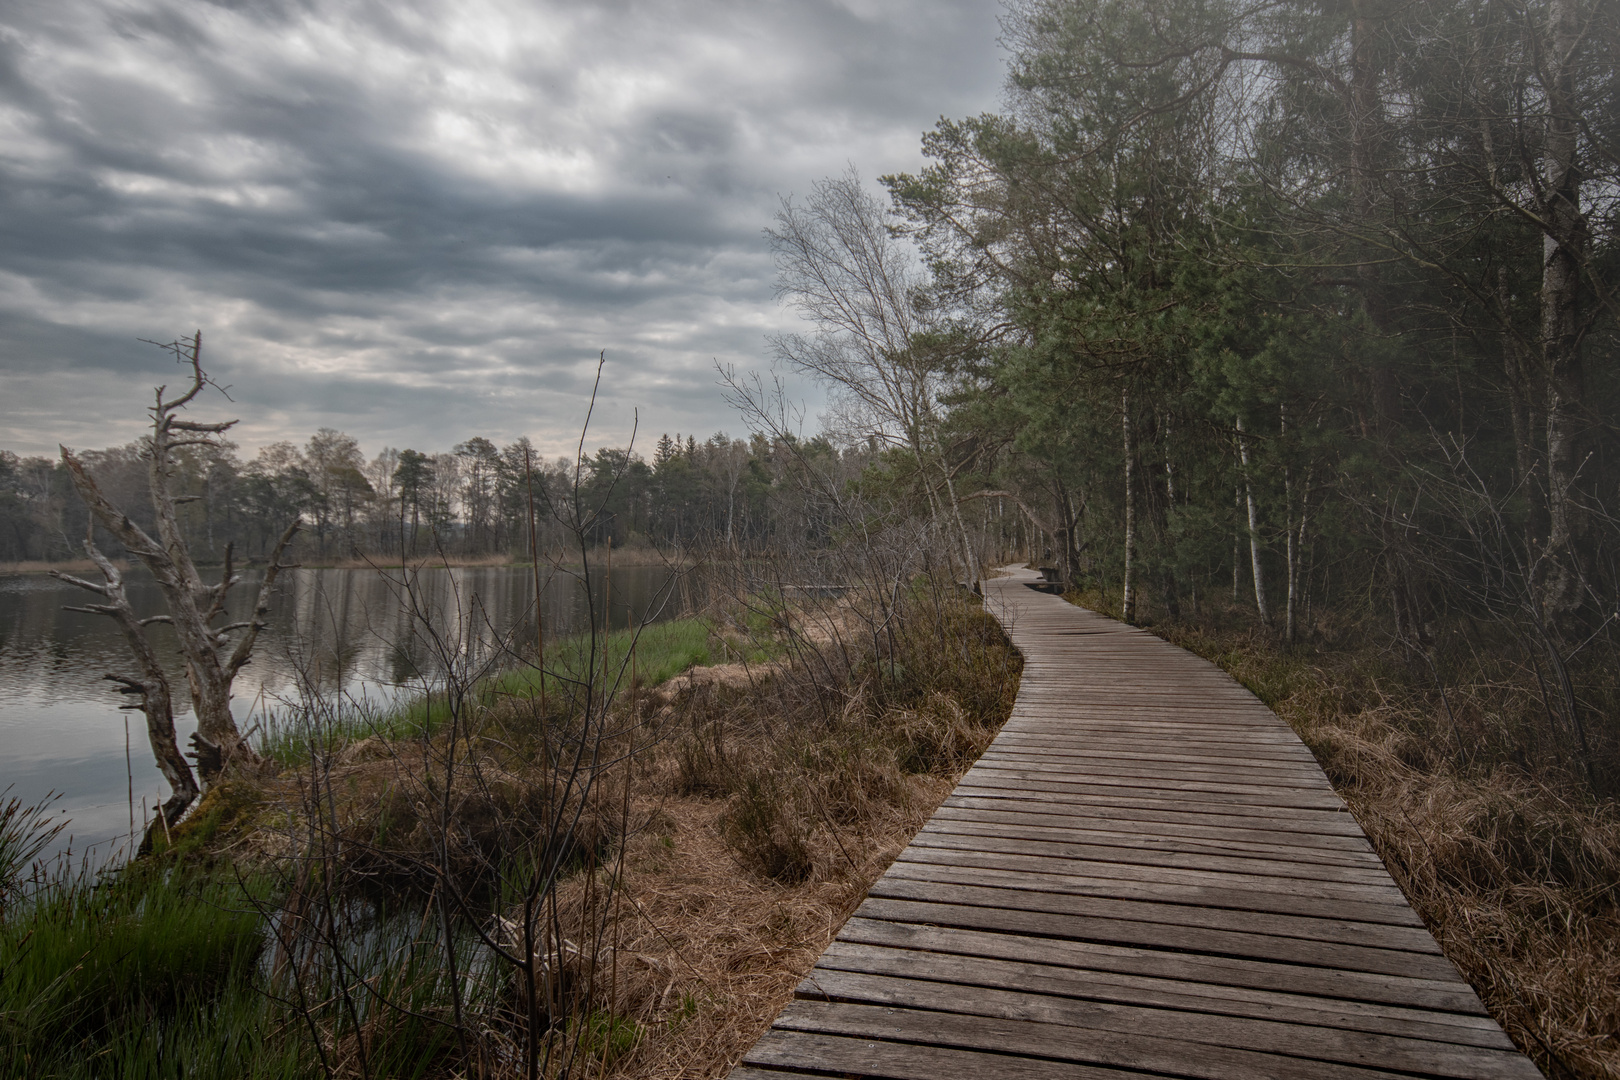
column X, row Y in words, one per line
column 1128, row 595
column 1254, row 531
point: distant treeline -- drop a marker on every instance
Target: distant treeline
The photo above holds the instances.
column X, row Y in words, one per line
column 473, row 500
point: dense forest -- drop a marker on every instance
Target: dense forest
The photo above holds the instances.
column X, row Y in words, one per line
column 1305, row 306
column 1315, row 296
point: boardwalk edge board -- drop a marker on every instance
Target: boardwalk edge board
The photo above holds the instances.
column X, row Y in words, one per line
column 1145, row 875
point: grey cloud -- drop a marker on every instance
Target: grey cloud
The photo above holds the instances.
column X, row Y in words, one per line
column 420, row 221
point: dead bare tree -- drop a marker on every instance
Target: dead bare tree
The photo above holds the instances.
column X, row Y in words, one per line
column 212, row 658
column 841, row 264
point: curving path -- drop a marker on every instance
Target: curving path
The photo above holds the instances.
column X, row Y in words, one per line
column 1146, row 875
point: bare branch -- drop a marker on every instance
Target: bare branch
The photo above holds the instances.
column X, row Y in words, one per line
column 80, row 582
column 131, row 535
column 192, row 425
column 261, row 603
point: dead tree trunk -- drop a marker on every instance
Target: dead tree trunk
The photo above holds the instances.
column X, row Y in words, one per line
column 152, row 685
column 194, row 606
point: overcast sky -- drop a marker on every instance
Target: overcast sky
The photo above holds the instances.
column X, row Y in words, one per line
column 420, row 220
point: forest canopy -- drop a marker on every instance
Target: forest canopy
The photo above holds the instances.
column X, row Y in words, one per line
column 1315, row 296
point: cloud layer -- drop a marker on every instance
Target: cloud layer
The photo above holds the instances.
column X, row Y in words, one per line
column 419, row 220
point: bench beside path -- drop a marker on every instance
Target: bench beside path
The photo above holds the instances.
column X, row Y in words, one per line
column 1146, row 875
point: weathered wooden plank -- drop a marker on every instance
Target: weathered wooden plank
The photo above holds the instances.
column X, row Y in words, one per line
column 1441, row 1005
column 1244, row 779
column 1063, row 814
column 1247, row 763
column 1149, row 836
column 1010, row 872
column 1014, row 773
column 1356, row 946
column 1136, row 1028
column 1021, row 780
column 1174, row 776
column 883, row 1060
column 1172, row 855
column 1077, row 735
column 1212, row 1000
column 1194, row 712
column 1043, row 858
column 1083, row 744
column 1098, row 747
column 1054, row 1040
column 1301, row 818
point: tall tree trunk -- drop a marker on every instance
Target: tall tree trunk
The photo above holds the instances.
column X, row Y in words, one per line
column 152, row 687
column 1172, row 590
column 1068, row 524
column 1292, row 554
column 1254, row 530
column 961, row 526
column 1513, row 369
column 1563, row 250
column 1237, row 560
column 1128, row 592
column 1366, row 173
column 1300, row 574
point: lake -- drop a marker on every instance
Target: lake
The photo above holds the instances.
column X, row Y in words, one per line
column 347, row 631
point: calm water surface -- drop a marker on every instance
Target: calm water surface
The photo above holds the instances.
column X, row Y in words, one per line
column 342, row 630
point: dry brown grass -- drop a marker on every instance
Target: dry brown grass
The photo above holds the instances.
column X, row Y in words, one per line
column 710, row 951
column 772, row 805
column 1517, row 873
column 712, row 866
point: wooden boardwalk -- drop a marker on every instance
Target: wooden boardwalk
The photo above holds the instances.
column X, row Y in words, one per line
column 1146, row 874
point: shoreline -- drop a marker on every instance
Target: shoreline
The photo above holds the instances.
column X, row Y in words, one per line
column 635, row 556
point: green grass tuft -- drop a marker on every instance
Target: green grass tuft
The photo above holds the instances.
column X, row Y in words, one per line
column 144, row 972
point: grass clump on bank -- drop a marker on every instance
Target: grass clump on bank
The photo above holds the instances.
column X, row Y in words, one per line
column 661, row 651
column 146, row 972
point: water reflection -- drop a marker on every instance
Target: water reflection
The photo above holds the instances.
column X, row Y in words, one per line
column 339, row 630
